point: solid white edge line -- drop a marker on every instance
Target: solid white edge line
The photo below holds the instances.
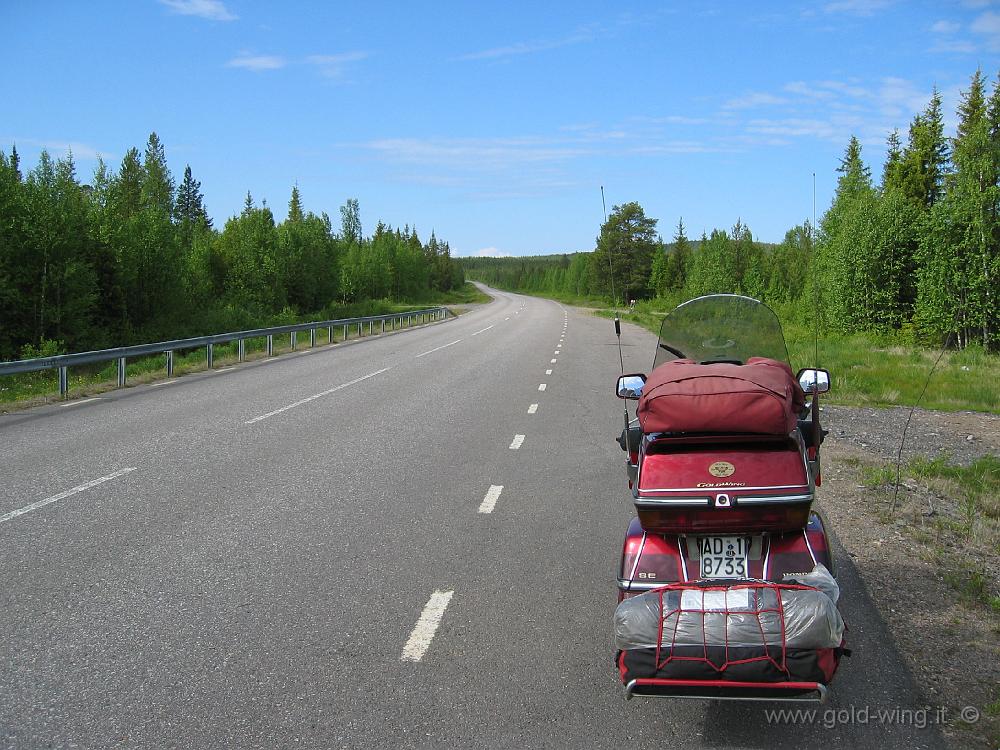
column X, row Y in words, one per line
column 517, row 442
column 427, row 625
column 163, row 382
column 490, row 501
column 82, row 401
column 67, row 493
column 532, row 409
column 318, row 395
column 439, row 348
column 482, row 331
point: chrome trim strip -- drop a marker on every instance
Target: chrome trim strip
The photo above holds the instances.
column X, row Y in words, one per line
column 633, row 586
column 684, row 567
column 820, row 688
column 752, row 499
column 694, row 502
column 730, row 489
column 809, row 547
column 638, row 556
column 767, row 557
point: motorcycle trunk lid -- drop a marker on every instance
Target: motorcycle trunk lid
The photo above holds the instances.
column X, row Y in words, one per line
column 718, row 484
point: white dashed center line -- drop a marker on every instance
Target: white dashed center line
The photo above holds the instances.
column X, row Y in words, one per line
column 552, row 361
column 482, row 331
column 532, row 409
column 490, row 501
column 438, row 348
column 541, row 387
column 548, row 372
column 318, row 395
column 516, row 442
column 423, row 632
column 62, row 495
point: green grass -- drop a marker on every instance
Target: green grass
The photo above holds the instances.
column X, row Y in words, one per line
column 38, row 387
column 879, row 371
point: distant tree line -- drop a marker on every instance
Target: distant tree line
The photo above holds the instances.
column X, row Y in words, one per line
column 919, row 252
column 134, row 257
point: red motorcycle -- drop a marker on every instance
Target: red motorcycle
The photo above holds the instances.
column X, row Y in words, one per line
column 726, row 586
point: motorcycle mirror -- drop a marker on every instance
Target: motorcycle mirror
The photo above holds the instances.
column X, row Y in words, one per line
column 813, row 380
column 630, row 386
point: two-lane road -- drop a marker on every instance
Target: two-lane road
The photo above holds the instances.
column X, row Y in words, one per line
column 406, row 542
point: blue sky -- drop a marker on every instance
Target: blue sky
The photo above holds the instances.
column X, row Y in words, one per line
column 493, row 124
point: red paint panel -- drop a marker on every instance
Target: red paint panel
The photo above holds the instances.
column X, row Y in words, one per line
column 688, row 467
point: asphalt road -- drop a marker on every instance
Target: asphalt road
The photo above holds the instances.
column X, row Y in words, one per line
column 274, row 569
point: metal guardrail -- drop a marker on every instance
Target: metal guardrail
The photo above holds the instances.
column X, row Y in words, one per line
column 62, row 362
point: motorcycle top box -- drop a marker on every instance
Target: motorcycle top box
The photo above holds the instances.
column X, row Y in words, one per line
column 724, row 483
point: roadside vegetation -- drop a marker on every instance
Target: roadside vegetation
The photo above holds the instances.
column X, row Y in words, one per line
column 895, row 272
column 34, row 388
column 133, row 257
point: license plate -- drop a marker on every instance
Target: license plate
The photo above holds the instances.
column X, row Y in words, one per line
column 724, row 556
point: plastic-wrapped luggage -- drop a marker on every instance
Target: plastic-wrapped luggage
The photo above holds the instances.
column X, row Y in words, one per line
column 753, row 632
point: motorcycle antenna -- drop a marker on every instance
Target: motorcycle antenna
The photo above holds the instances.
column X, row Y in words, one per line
column 614, row 300
column 816, row 427
column 618, row 328
column 812, row 237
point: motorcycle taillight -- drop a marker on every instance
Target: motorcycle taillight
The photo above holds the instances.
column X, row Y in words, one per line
column 674, row 520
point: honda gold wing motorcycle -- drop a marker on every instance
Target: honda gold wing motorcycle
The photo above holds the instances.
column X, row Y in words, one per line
column 726, row 586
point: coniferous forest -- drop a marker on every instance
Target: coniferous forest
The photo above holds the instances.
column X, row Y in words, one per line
column 132, row 257
column 915, row 252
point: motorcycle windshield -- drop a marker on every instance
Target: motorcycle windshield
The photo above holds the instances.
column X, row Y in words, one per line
column 720, row 328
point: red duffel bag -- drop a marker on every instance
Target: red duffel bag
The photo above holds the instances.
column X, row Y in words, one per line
column 759, row 397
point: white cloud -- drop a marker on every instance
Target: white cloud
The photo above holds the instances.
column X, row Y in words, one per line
column 954, row 45
column 581, row 35
column 804, row 89
column 756, row 99
column 213, row 10
column 60, row 148
column 334, row 66
column 988, row 24
column 492, row 252
column 257, row 63
column 857, row 7
column 474, row 153
column 946, row 27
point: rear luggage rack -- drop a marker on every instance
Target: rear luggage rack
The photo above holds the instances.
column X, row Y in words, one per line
column 792, row 692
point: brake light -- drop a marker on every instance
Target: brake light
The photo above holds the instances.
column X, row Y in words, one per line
column 747, row 519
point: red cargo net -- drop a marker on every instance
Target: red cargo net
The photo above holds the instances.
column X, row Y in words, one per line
column 716, row 654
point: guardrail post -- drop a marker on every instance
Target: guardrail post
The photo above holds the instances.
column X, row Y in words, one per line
column 345, row 331
column 291, row 339
column 210, row 355
column 170, row 363
column 383, row 325
column 360, row 329
column 329, row 334
column 270, row 345
column 312, row 338
column 63, row 381
column 370, row 324
column 121, row 372
column 241, row 350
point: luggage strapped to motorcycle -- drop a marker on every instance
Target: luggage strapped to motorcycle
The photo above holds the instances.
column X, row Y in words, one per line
column 720, row 661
